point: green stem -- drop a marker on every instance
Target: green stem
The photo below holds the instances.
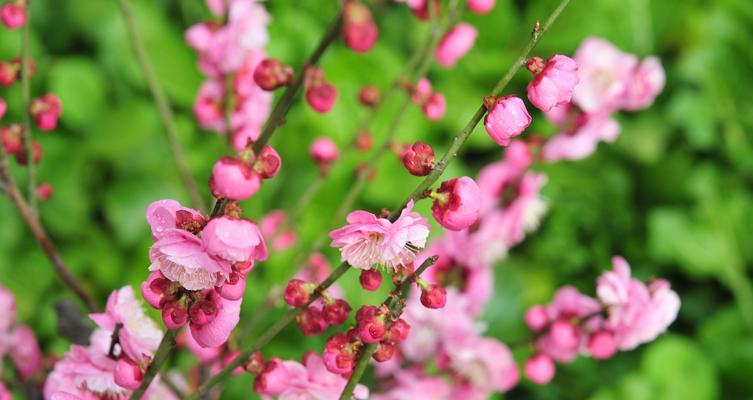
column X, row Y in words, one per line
column 163, row 106
column 160, row 357
column 392, row 302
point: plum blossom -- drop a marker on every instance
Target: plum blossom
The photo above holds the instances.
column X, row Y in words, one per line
column 507, row 118
column 581, row 140
column 368, row 240
column 455, row 44
column 553, row 84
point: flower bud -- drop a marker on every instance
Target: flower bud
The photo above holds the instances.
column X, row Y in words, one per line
column 297, row 293
column 254, row 365
column 554, row 84
column 398, row 331
column 457, row 203
column 46, row 110
column 128, row 374
column 336, row 312
column 371, row 326
column 360, row 37
column 370, row 279
column 271, row 74
column 234, row 287
column 539, row 369
column 234, row 180
column 455, row 44
column 311, row 321
column 155, row 289
column 480, row 6
column 44, row 191
column 369, row 96
column 434, row 296
column 8, row 73
column 321, row 97
column 174, row 314
column 13, row 15
column 336, row 356
column 536, row 318
column 435, row 106
column 268, row 163
column 564, row 334
column 273, row 379
column 384, row 351
column 602, row 345
column 3, row 107
column 418, row 159
column 324, row 152
column 203, row 311
column 507, row 118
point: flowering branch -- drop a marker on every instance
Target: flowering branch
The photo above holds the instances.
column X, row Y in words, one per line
column 163, row 351
column 32, row 221
column 163, row 105
column 392, row 302
column 451, row 153
column 26, row 101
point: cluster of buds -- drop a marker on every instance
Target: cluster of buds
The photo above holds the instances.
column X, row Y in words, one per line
column 433, row 104
column 271, row 74
column 373, row 325
column 359, row 30
column 13, row 14
column 418, row 159
column 316, row 317
column 238, row 178
column 324, row 152
column 46, row 110
column 10, row 71
column 320, row 94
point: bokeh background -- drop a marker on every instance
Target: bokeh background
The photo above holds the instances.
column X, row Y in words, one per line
column 672, row 195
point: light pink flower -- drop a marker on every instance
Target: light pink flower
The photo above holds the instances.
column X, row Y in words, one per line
column 270, row 226
column 233, row 239
column 485, row 362
column 139, row 335
column 7, row 311
column 637, row 313
column 412, row 384
column 291, row 380
column 554, row 84
column 368, row 240
column 605, row 75
column 524, row 212
column 495, row 180
column 458, row 203
column 455, row 44
column 208, row 108
column 507, row 118
column 648, row 81
column 217, row 332
column 582, row 141
column 24, row 351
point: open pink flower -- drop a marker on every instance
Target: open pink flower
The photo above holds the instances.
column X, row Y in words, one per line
column 24, row 351
column 485, row 362
column 554, row 84
column 605, row 75
column 368, row 240
column 647, row 82
column 582, row 140
column 455, row 44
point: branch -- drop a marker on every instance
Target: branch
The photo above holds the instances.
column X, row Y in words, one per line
column 391, row 302
column 458, row 141
column 163, row 105
column 37, row 230
column 163, row 351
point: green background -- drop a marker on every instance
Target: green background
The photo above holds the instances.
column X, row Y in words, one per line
column 672, row 195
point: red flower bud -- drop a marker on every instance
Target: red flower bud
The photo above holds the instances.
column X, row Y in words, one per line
column 434, row 296
column 384, row 352
column 370, row 279
column 369, row 96
column 44, row 191
column 268, row 163
column 418, row 159
column 336, row 312
column 297, row 293
column 271, row 74
column 174, row 314
column 311, row 321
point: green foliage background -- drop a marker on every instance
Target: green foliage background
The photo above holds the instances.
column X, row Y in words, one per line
column 672, row 195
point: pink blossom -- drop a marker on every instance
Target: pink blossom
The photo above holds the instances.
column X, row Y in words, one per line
column 421, row 91
column 323, row 150
column 481, row 6
column 602, row 345
column 368, row 240
column 485, row 362
column 233, row 239
column 270, row 225
column 199, row 36
column 204, row 354
column 605, row 75
column 582, row 141
column 554, row 84
column 291, row 380
column 540, row 369
column 128, row 374
column 217, row 7
column 457, row 204
column 46, row 110
column 139, row 335
column 637, row 313
column 524, row 213
column 455, row 43
column 13, row 15
column 233, row 179
column 208, row 107
column 360, row 36
column 217, row 332
column 7, row 310
column 3, row 107
column 648, row 81
column 496, row 179
column 24, row 351
column 4, row 392
column 413, row 384
column 536, row 318
column 435, row 106
column 507, row 118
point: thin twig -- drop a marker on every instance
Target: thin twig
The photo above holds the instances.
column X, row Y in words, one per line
column 392, row 302
column 163, row 351
column 26, row 100
column 163, row 106
column 37, row 230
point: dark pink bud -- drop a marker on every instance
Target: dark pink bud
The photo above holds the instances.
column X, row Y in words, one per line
column 12, row 137
column 323, row 150
column 336, row 312
column 273, row 379
column 3, row 107
column 321, row 96
column 128, row 374
column 536, row 318
column 271, row 74
column 364, row 141
column 369, row 96
column 384, row 351
column 398, row 331
column 174, row 314
column 268, row 163
column 361, row 36
column 602, row 345
column 13, row 15
column 155, row 289
column 434, row 296
column 8, row 73
column 254, row 365
column 232, row 179
column 418, row 159
column 480, row 6
column 371, row 326
column 457, row 203
column 311, row 321
column 44, row 191
column 370, row 279
column 297, row 293
column 46, row 111
column 540, row 369
column 203, row 311
column 234, row 287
